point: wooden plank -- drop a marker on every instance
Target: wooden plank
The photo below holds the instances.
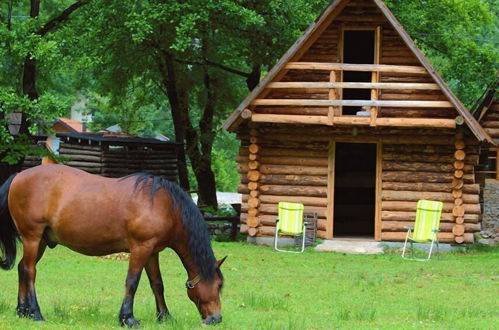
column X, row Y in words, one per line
column 355, row 67
column 353, row 85
column 369, row 103
column 330, row 189
column 354, row 120
column 379, row 191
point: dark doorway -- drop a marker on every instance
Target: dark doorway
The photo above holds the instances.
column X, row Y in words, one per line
column 354, row 189
column 358, row 48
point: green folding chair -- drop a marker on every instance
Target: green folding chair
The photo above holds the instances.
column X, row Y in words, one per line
column 426, row 227
column 290, row 222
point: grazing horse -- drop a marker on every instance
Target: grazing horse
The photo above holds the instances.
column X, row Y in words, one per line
column 140, row 213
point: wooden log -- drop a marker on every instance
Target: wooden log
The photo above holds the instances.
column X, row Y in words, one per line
column 254, row 139
column 431, row 187
column 283, row 190
column 253, row 165
column 291, row 179
column 253, row 157
column 442, row 237
column 296, row 170
column 398, row 226
column 470, row 159
column 253, row 185
column 252, row 212
column 459, row 239
column 266, row 231
column 72, row 151
column 246, row 114
column 458, row 230
column 273, row 209
column 253, row 175
column 411, row 206
column 254, row 193
column 254, row 148
column 295, row 161
column 335, row 103
column 418, row 167
column 459, row 155
column 306, row 200
column 292, row 152
column 459, row 144
column 459, row 220
column 243, row 229
column 457, row 183
column 66, row 145
column 242, row 189
column 252, row 222
column 411, row 215
column 83, row 164
column 458, row 211
column 394, row 195
column 353, row 85
column 355, row 67
column 253, row 202
column 459, row 201
column 432, row 177
column 459, row 165
column 252, row 231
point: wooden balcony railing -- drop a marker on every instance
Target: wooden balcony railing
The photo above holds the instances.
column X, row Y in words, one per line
column 334, row 102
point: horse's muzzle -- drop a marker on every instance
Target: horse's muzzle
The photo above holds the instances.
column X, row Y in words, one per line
column 213, row 319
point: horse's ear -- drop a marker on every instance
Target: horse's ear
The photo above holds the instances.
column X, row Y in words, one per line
column 219, row 263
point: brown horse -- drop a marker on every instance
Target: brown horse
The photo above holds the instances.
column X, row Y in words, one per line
column 141, row 214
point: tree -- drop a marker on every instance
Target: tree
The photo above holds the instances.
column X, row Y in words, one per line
column 23, row 45
column 194, row 52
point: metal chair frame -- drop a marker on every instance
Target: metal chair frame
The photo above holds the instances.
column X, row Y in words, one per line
column 277, row 236
column 407, row 238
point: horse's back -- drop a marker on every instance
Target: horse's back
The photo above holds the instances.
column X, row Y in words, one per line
column 88, row 213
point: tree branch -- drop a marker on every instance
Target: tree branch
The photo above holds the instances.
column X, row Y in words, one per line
column 63, row 16
column 216, row 65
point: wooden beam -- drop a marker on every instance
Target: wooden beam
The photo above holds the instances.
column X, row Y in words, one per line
column 369, row 103
column 353, row 85
column 354, row 120
column 355, row 67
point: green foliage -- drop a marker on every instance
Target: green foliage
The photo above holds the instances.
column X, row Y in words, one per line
column 459, row 37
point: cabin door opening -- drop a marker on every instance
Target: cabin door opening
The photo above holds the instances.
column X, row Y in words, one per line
column 354, row 189
column 358, row 48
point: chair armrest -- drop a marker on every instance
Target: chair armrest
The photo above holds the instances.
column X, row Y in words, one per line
column 408, row 228
column 435, row 230
column 305, row 223
column 276, row 220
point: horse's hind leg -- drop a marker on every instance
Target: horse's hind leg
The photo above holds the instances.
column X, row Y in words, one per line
column 27, row 305
column 156, row 282
column 138, row 259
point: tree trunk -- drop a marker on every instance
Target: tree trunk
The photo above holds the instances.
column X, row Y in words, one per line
column 167, row 72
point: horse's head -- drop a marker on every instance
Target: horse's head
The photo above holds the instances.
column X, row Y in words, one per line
column 206, row 295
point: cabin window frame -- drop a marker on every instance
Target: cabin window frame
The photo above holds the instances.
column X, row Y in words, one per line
column 377, row 57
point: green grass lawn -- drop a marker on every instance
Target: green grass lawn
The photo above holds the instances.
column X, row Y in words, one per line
column 269, row 290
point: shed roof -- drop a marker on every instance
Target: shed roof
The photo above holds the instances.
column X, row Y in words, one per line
column 234, row 119
column 115, row 139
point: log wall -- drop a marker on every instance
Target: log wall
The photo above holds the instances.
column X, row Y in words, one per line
column 117, row 160
column 292, row 165
column 327, row 48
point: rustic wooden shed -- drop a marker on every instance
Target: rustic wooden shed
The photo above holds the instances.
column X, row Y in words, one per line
column 487, row 113
column 354, row 122
column 117, row 156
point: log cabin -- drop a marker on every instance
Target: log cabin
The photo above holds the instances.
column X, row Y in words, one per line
column 487, row 173
column 355, row 123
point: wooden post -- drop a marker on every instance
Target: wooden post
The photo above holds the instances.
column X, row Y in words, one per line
column 253, row 176
column 375, row 75
column 457, row 193
column 330, row 190
column 497, row 164
column 333, row 95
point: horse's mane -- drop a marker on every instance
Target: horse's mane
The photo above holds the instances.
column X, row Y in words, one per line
column 192, row 220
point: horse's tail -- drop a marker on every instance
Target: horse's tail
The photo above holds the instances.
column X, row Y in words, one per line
column 8, row 232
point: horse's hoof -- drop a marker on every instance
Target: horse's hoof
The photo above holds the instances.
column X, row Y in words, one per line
column 130, row 322
column 163, row 316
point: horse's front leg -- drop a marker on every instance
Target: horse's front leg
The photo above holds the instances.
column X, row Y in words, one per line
column 27, row 304
column 138, row 258
column 156, row 282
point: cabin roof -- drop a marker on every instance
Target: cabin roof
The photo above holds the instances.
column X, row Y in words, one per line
column 490, row 96
column 106, row 138
column 234, row 119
